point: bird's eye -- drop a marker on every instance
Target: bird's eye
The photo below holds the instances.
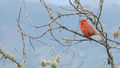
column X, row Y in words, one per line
column 83, row 21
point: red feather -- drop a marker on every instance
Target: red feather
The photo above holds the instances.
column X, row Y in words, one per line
column 87, row 29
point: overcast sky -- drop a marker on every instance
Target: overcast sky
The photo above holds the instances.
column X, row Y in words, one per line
column 91, row 2
column 66, row 3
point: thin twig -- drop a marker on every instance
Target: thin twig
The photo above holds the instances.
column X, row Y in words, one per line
column 22, row 36
column 70, row 63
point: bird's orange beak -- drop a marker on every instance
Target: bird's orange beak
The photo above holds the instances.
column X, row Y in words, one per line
column 80, row 21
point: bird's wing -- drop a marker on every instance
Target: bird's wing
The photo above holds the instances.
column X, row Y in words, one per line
column 90, row 29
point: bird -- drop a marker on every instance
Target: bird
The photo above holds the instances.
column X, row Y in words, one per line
column 87, row 29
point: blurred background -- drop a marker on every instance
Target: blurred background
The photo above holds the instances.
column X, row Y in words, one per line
column 91, row 53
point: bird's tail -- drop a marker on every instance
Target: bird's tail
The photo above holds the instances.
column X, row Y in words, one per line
column 98, row 34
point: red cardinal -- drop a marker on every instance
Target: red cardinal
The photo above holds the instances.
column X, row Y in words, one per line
column 87, row 29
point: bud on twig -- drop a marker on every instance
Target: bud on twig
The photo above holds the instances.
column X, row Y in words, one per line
column 116, row 34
